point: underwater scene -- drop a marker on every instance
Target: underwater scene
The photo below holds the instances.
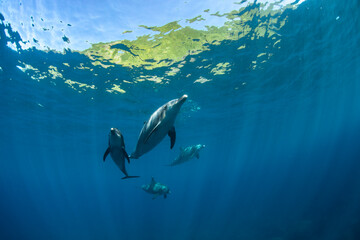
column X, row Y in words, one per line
column 180, row 119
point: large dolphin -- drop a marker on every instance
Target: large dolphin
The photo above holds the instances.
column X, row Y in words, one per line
column 188, row 153
column 156, row 188
column 117, row 150
column 160, row 124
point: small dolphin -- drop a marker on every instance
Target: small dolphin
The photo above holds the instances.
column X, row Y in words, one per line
column 155, row 188
column 160, row 123
column 117, row 151
column 187, row 154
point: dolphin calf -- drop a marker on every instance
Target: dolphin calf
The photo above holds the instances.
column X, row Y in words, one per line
column 187, row 153
column 156, row 188
column 160, row 124
column 117, row 151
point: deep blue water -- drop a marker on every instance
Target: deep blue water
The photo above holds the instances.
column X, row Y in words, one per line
column 282, row 156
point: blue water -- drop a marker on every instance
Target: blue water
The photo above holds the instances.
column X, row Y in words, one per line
column 282, row 156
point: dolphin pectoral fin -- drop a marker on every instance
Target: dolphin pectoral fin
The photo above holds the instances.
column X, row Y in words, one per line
column 165, row 196
column 130, row 177
column 172, row 135
column 152, row 131
column 197, row 156
column 126, row 155
column 106, row 153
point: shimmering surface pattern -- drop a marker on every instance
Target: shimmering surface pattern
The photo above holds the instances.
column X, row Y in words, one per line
column 274, row 94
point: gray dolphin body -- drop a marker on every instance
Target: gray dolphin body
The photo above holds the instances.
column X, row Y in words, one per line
column 117, row 151
column 160, row 124
column 156, row 188
column 188, row 153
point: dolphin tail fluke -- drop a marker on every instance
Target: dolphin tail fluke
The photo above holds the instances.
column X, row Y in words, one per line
column 130, row 177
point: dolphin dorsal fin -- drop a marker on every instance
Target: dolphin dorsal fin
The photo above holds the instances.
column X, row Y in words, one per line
column 152, row 183
column 163, row 113
column 152, row 131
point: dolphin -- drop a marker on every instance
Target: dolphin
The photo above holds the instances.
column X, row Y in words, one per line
column 156, row 188
column 187, row 153
column 117, row 151
column 160, row 124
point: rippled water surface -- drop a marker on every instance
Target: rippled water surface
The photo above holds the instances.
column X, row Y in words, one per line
column 274, row 94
